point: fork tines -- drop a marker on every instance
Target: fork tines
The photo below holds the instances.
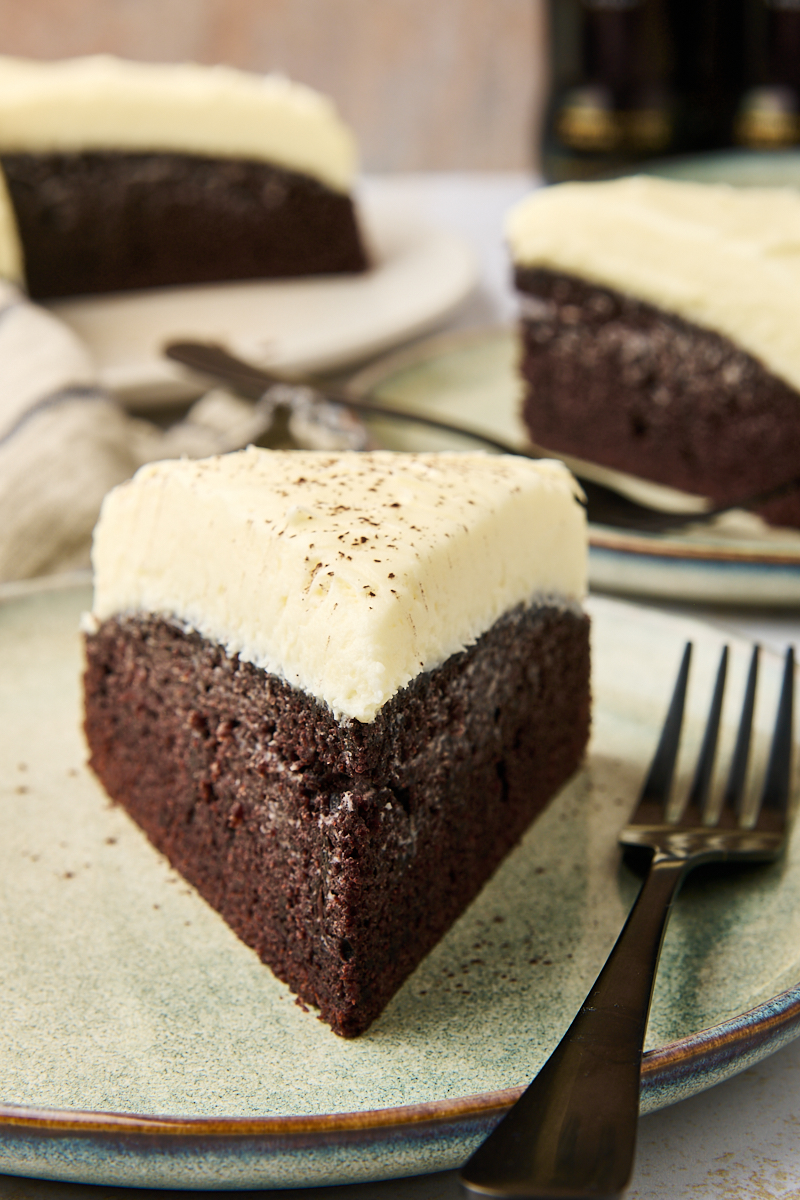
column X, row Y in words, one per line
column 777, row 784
column 698, row 811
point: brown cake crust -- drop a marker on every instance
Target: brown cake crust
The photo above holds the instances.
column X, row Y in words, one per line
column 340, row 852
column 105, row 221
column 617, row 381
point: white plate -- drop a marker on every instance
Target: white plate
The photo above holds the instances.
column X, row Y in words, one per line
column 471, row 378
column 421, row 273
column 142, row 1044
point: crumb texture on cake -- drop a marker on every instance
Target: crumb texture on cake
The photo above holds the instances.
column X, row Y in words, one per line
column 724, row 258
column 345, row 575
column 339, row 851
column 103, row 220
column 105, row 103
column 617, row 381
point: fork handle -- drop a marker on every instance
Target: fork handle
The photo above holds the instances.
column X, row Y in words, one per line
column 572, row 1133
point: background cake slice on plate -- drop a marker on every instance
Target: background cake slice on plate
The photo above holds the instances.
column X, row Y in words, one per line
column 335, row 689
column 659, row 326
column 127, row 175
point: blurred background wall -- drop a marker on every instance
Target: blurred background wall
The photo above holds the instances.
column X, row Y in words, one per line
column 426, row 84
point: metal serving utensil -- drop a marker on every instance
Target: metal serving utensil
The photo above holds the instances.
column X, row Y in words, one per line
column 572, row 1133
column 605, row 505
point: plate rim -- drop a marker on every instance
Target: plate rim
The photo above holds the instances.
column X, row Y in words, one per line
column 743, row 1034
column 621, row 542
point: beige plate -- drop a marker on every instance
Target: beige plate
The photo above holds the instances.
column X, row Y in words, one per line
column 122, row 992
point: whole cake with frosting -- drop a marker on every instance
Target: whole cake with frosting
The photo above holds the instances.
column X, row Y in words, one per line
column 659, row 325
column 335, row 689
column 127, row 175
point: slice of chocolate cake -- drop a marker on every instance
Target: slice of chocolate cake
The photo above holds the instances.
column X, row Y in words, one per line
column 659, row 332
column 127, row 175
column 334, row 691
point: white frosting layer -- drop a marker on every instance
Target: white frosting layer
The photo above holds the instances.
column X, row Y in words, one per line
column 724, row 258
column 11, row 259
column 105, row 103
column 349, row 574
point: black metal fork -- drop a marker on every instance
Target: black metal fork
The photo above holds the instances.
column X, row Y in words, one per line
column 572, row 1133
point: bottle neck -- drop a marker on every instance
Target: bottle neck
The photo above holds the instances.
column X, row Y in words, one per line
column 783, row 43
column 613, row 42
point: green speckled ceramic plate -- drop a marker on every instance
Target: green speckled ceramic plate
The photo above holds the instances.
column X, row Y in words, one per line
column 471, row 378
column 142, row 1044
column 740, row 168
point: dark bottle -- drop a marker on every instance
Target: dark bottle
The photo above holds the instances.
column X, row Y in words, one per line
column 709, row 69
column 634, row 80
column 609, row 105
column 769, row 113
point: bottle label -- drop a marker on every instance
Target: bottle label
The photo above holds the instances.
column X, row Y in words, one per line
column 768, row 119
column 587, row 122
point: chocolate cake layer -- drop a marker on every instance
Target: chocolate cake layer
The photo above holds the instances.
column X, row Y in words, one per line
column 109, row 221
column 340, row 852
column 620, row 382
